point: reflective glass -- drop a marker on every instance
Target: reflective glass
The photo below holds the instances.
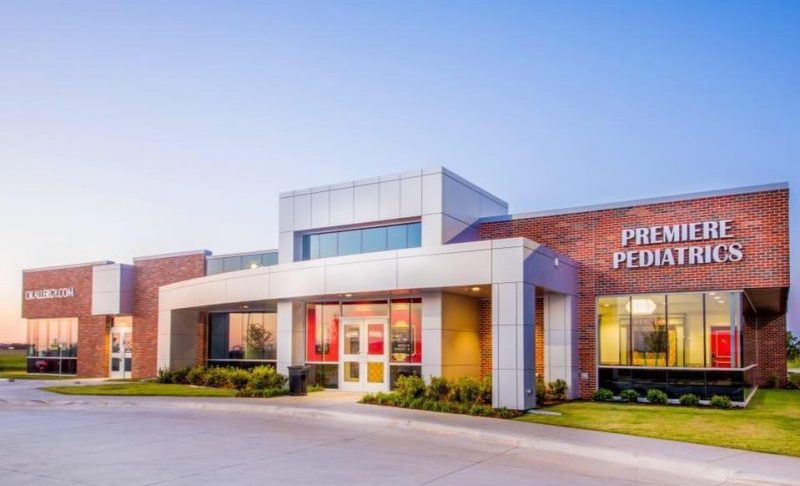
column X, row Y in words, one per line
column 396, row 237
column 373, row 239
column 232, row 263
column 214, row 266
column 251, row 261
column 414, row 235
column 648, row 325
column 349, row 242
column 614, row 333
column 270, row 258
column 686, row 322
column 327, row 245
column 719, row 329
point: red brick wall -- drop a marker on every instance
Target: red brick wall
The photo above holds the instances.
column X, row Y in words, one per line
column 150, row 274
column 760, row 224
column 92, row 330
column 202, row 339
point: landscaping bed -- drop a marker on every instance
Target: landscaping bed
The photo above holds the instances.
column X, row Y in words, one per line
column 463, row 396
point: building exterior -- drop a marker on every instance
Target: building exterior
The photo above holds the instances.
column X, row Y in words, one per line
column 426, row 273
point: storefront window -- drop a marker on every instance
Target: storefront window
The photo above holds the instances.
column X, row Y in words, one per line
column 614, row 329
column 235, row 337
column 322, row 332
column 406, row 331
column 685, row 330
column 52, row 345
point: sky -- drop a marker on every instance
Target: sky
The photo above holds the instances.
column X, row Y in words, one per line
column 137, row 128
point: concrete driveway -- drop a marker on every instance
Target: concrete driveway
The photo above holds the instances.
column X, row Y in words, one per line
column 321, row 439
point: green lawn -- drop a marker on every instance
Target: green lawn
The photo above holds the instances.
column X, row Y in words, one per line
column 795, row 363
column 770, row 424
column 12, row 360
column 143, row 389
column 22, row 375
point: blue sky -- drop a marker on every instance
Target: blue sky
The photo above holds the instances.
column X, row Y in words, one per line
column 134, row 128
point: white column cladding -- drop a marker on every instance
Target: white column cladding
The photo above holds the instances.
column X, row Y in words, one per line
column 561, row 341
column 431, row 335
column 513, row 347
column 285, row 335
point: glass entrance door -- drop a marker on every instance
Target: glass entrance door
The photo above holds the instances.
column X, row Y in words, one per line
column 363, row 351
column 121, row 351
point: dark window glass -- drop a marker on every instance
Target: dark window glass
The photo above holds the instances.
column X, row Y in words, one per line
column 218, row 336
column 349, row 242
column 397, row 237
column 214, row 266
column 326, row 375
column 373, row 239
column 232, row 263
column 327, row 245
column 270, row 258
column 414, row 235
column 251, row 261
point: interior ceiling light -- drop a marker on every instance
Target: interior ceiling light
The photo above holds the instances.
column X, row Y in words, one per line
column 475, row 289
column 641, row 307
column 348, row 295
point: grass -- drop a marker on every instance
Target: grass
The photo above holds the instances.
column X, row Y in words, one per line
column 142, row 390
column 12, row 360
column 13, row 375
column 769, row 424
column 794, row 363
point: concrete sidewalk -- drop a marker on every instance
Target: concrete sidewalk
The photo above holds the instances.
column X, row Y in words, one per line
column 697, row 463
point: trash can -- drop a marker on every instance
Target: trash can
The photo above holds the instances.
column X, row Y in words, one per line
column 298, row 380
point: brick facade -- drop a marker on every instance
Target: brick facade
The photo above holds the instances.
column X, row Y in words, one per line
column 485, row 336
column 150, row 274
column 92, row 330
column 760, row 222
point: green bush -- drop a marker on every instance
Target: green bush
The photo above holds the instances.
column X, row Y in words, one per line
column 656, row 396
column 485, row 392
column 217, row 377
column 265, row 393
column 689, row 400
column 179, row 376
column 238, row 378
column 439, row 389
column 541, row 391
column 315, row 388
column 410, row 387
column 165, row 376
column 557, row 390
column 265, row 377
column 603, row 395
column 466, row 390
column 721, row 401
column 793, row 383
column 196, row 376
column 629, row 395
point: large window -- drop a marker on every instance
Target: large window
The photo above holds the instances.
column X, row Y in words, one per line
column 53, row 345
column 349, row 242
column 686, row 330
column 242, row 339
column 322, row 336
column 244, row 261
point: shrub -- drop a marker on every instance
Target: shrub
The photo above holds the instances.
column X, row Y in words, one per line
column 793, row 383
column 238, row 378
column 315, row 388
column 629, row 395
column 557, row 390
column 196, row 376
column 410, row 387
column 265, row 377
column 439, row 389
column 721, row 401
column 165, row 376
column 773, row 381
column 603, row 395
column 485, row 393
column 466, row 390
column 179, row 376
column 217, row 377
column 656, row 396
column 541, row 391
column 689, row 400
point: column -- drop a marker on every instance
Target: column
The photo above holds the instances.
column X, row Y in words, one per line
column 513, row 346
column 431, row 335
column 561, row 341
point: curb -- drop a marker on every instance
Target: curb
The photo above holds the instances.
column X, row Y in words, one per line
column 706, row 472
